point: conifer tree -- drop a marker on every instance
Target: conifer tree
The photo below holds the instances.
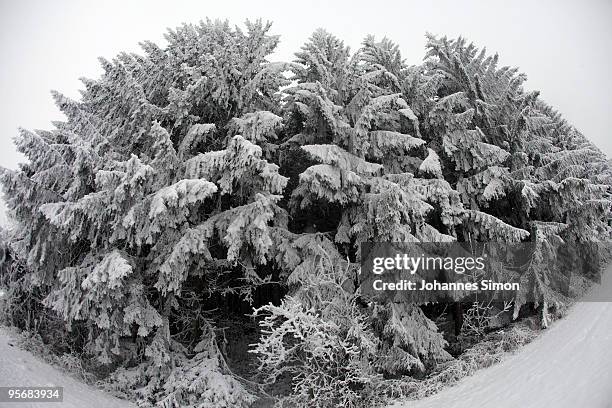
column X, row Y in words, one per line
column 439, row 152
column 134, row 208
column 539, row 172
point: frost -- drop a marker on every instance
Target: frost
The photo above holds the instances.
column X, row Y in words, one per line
column 194, row 136
column 181, row 194
column 111, row 270
column 328, row 182
column 431, row 164
column 468, row 151
column 336, row 156
column 256, row 127
column 240, row 162
column 385, row 142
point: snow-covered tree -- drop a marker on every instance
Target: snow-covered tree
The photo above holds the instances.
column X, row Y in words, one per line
column 135, row 194
column 440, row 152
column 526, row 166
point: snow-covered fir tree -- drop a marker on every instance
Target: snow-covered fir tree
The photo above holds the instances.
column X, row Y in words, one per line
column 144, row 187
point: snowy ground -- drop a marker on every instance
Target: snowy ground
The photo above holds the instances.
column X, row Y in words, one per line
column 20, row 368
column 568, row 366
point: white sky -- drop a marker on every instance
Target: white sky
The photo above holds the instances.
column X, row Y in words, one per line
column 563, row 46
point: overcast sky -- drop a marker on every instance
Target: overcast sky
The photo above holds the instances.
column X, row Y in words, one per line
column 563, row 46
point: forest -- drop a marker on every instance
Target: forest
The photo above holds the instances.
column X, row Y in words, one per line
column 191, row 231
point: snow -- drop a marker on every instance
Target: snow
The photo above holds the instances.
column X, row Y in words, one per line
column 20, row 368
column 110, row 271
column 568, row 366
column 3, row 218
column 180, row 194
column 431, row 164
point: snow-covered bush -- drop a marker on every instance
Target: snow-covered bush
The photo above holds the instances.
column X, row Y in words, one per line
column 482, row 317
column 492, row 349
column 319, row 338
column 329, row 361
